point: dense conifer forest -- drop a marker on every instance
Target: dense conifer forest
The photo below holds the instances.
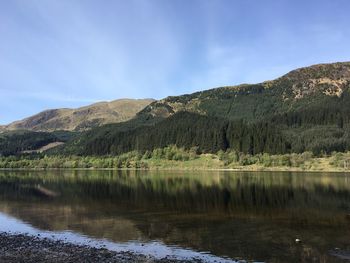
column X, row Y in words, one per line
column 290, row 133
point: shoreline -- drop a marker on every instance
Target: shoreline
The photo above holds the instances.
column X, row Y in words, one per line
column 174, row 159
column 33, row 249
column 187, row 169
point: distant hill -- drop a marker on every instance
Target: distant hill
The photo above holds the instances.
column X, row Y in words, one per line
column 82, row 118
column 307, row 109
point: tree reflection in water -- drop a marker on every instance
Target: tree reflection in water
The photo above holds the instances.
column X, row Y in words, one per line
column 246, row 215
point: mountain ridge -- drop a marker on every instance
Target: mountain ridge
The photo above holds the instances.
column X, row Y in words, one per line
column 331, row 78
column 81, row 118
column 307, row 109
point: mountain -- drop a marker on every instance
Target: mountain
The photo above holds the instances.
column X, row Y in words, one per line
column 298, row 89
column 307, row 109
column 82, row 118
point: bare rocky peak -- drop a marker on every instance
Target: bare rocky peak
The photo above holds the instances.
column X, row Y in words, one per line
column 339, row 70
column 329, row 79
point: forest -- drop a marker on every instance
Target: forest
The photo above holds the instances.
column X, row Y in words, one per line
column 17, row 142
column 315, row 131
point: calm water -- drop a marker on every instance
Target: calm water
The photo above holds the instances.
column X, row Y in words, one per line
column 237, row 215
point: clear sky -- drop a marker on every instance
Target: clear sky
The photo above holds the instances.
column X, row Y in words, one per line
column 69, row 53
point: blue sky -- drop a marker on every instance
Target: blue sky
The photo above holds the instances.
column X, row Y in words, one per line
column 69, row 53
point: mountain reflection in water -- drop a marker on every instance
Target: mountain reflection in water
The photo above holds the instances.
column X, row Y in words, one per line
column 242, row 215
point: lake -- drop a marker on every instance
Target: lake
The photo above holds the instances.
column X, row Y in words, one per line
column 253, row 216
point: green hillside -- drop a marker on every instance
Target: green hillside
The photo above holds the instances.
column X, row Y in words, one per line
column 298, row 89
column 308, row 109
column 21, row 141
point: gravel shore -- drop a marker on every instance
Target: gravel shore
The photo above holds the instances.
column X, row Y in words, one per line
column 29, row 249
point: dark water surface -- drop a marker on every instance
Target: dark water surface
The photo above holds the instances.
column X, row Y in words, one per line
column 240, row 215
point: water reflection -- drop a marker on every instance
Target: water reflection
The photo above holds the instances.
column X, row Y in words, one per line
column 241, row 215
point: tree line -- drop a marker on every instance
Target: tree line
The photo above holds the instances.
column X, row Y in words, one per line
column 289, row 134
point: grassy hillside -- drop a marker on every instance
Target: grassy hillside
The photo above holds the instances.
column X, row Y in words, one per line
column 82, row 118
column 306, row 110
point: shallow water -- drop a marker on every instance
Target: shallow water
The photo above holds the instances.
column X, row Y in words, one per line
column 238, row 215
